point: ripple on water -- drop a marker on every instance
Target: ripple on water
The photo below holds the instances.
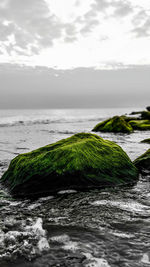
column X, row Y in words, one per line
column 130, row 206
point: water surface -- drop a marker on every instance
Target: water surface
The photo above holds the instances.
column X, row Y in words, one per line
column 103, row 228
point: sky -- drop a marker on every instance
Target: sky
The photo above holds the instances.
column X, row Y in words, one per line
column 107, row 40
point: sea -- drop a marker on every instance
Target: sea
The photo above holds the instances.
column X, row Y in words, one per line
column 100, row 228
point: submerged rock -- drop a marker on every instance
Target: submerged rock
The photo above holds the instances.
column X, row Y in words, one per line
column 117, row 124
column 81, row 161
column 142, row 163
column 146, row 141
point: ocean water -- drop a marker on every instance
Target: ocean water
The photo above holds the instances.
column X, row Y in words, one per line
column 102, row 228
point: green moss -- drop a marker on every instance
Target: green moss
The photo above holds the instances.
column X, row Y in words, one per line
column 78, row 162
column 140, row 124
column 117, row 124
column 142, row 163
column 146, row 141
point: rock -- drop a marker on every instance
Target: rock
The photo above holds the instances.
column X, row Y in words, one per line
column 141, row 125
column 146, row 141
column 135, row 112
column 128, row 119
column 148, row 108
column 82, row 161
column 142, row 163
column 145, row 115
column 117, row 124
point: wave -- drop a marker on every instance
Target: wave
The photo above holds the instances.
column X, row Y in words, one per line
column 59, row 132
column 10, row 123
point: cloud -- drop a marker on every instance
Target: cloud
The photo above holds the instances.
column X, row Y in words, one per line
column 122, row 8
column 100, row 11
column 70, row 33
column 141, row 22
column 32, row 26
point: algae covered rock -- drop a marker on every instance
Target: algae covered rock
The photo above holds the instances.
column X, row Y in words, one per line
column 81, row 161
column 117, row 124
column 125, row 124
column 142, row 163
column 141, row 125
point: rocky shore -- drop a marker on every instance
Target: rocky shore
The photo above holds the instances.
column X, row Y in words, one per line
column 125, row 124
column 107, row 202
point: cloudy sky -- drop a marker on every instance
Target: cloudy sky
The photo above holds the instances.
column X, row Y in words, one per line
column 71, row 34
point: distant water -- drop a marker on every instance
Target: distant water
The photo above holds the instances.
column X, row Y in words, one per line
column 107, row 228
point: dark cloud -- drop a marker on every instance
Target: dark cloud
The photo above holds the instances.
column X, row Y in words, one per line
column 31, row 24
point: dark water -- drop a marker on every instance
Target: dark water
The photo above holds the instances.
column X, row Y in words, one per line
column 104, row 228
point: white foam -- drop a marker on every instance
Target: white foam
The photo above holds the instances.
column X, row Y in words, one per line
column 43, row 244
column 46, row 198
column 60, row 238
column 71, row 245
column 68, row 244
column 122, row 235
column 96, row 262
column 67, row 192
column 145, row 259
column 57, row 219
column 38, row 230
column 33, row 206
column 129, row 206
column 15, row 203
column 37, row 227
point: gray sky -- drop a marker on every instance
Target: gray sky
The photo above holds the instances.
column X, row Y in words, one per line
column 74, row 53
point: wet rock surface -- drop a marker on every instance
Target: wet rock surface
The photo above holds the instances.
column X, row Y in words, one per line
column 143, row 162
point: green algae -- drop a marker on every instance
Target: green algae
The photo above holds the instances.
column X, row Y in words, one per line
column 141, row 125
column 117, row 124
column 78, row 162
column 142, row 163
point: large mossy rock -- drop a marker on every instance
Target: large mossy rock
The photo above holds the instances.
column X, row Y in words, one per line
column 117, row 124
column 141, row 125
column 142, row 163
column 81, row 161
